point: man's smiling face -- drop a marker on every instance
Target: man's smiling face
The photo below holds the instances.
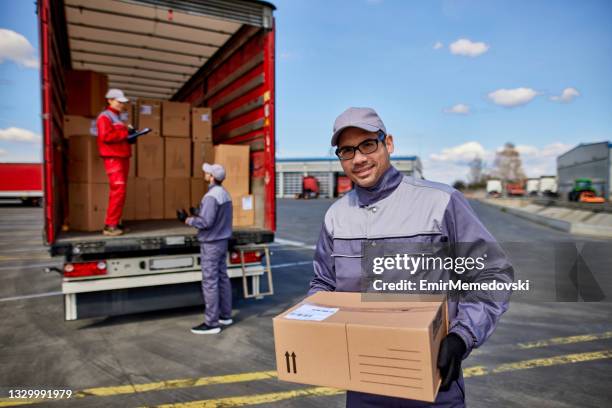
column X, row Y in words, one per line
column 365, row 169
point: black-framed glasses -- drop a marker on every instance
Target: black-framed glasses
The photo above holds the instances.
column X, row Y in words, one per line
column 368, row 146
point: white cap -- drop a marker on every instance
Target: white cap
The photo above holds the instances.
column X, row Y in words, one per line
column 116, row 94
column 216, row 170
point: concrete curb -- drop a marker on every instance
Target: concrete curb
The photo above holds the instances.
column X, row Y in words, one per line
column 579, row 228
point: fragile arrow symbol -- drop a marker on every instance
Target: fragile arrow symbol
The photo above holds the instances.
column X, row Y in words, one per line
column 287, row 359
column 294, row 365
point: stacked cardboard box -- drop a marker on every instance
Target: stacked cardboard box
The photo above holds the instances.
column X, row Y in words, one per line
column 85, row 91
column 235, row 159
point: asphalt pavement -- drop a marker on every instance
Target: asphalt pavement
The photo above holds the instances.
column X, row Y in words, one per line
column 546, row 354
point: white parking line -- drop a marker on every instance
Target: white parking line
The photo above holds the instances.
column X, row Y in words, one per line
column 293, row 243
column 33, row 296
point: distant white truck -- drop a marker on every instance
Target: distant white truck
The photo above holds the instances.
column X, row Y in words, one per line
column 533, row 186
column 494, row 187
column 548, row 186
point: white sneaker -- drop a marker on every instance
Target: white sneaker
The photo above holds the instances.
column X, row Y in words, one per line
column 226, row 322
column 204, row 329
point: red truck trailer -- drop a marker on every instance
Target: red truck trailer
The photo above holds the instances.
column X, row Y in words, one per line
column 21, row 181
column 219, row 54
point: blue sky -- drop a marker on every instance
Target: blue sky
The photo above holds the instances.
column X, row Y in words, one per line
column 380, row 53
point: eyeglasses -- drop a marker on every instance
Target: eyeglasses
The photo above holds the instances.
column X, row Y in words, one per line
column 368, row 146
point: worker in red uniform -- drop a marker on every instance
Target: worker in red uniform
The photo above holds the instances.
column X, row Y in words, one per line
column 115, row 151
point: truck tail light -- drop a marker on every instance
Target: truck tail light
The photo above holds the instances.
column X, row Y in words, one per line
column 249, row 257
column 80, row 269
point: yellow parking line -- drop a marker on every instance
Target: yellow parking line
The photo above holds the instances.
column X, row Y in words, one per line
column 256, row 399
column 173, row 384
column 565, row 340
column 473, row 371
column 550, row 361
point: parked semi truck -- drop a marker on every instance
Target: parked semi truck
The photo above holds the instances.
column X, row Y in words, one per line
column 217, row 54
column 21, row 181
column 533, row 186
column 548, row 186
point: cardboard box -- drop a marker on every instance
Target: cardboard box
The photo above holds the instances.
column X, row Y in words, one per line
column 198, row 188
column 203, row 152
column 131, row 200
column 175, row 119
column 243, row 211
column 176, row 196
column 149, row 116
column 235, row 159
column 336, row 339
column 201, row 124
column 84, row 162
column 150, row 197
column 87, row 204
column 127, row 116
column 85, row 91
column 79, row 125
column 177, row 153
column 150, row 152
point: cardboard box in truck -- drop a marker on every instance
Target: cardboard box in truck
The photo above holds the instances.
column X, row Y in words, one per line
column 177, row 157
column 202, row 152
column 131, row 200
column 235, row 159
column 175, row 119
column 176, row 196
column 338, row 340
column 150, row 152
column 198, row 188
column 243, row 211
column 150, row 199
column 201, row 124
column 79, row 125
column 84, row 162
column 149, row 116
column 87, row 203
column 85, row 91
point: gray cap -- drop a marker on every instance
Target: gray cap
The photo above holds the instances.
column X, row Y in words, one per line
column 217, row 171
column 362, row 118
column 117, row 94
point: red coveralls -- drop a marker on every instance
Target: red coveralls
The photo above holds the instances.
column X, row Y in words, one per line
column 116, row 151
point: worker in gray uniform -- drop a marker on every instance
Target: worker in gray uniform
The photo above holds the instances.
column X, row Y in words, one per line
column 213, row 220
column 389, row 208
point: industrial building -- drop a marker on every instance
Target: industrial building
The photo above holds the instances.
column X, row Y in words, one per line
column 291, row 171
column 592, row 161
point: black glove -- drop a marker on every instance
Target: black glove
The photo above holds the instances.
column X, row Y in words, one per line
column 451, row 353
column 131, row 131
column 193, row 211
column 181, row 215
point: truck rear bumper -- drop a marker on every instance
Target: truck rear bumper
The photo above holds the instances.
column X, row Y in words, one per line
column 135, row 294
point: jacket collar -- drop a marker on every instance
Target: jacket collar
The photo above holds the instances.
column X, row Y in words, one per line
column 115, row 111
column 385, row 186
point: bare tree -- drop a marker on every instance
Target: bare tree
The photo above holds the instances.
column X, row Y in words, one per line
column 508, row 165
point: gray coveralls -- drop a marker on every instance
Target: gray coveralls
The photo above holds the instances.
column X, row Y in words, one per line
column 214, row 222
column 405, row 210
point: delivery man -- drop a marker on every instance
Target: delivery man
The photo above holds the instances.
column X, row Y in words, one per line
column 386, row 205
column 214, row 223
column 115, row 151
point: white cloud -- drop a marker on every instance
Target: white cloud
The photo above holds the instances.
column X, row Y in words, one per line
column 15, row 47
column 460, row 109
column 438, row 45
column 566, row 96
column 512, row 97
column 460, row 154
column 467, row 48
column 14, row 134
column 452, row 162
